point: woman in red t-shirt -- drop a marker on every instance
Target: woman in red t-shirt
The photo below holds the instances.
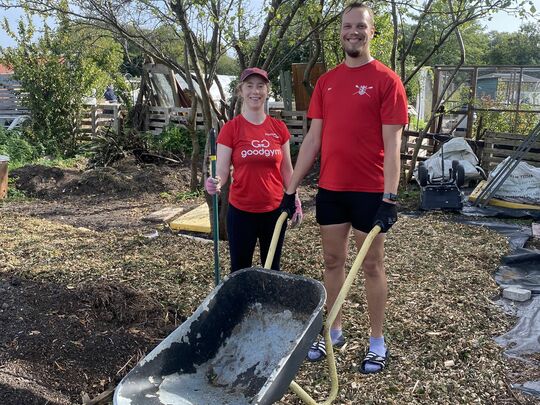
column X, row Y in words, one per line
column 257, row 146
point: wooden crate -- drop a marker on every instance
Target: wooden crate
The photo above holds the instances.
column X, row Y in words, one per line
column 296, row 122
column 160, row 117
column 408, row 143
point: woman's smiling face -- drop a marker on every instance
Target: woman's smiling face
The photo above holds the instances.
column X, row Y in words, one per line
column 254, row 91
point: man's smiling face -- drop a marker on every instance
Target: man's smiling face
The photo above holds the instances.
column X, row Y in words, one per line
column 357, row 30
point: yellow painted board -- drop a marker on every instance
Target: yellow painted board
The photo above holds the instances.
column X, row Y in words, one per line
column 196, row 220
column 500, row 203
column 166, row 214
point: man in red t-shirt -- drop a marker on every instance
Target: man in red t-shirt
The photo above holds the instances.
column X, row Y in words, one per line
column 358, row 111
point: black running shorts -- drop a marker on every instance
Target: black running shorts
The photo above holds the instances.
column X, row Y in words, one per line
column 339, row 207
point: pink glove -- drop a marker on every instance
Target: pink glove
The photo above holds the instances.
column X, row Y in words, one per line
column 298, row 215
column 213, row 185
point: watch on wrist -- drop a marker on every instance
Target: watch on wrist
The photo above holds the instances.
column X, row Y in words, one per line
column 390, row 196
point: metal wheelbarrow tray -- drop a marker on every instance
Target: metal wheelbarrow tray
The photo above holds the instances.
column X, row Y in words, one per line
column 243, row 345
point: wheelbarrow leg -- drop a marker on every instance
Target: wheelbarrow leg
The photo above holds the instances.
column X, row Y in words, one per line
column 302, row 394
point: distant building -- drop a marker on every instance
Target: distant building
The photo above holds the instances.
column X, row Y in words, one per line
column 505, row 87
column 4, row 70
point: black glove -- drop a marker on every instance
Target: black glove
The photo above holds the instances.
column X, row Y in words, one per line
column 386, row 216
column 287, row 204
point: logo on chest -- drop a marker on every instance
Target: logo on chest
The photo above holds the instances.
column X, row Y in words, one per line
column 261, row 148
column 362, row 90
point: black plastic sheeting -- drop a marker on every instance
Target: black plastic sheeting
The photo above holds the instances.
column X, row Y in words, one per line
column 524, row 338
column 520, row 268
column 499, row 212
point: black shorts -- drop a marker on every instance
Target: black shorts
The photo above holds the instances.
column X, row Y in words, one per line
column 355, row 207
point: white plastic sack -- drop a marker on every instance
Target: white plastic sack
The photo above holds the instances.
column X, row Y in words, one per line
column 454, row 149
column 522, row 185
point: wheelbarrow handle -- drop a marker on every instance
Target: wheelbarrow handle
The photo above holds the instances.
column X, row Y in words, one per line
column 275, row 237
column 298, row 390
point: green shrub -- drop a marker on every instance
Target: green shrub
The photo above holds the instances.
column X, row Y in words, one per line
column 13, row 192
column 521, row 122
column 13, row 144
column 174, row 139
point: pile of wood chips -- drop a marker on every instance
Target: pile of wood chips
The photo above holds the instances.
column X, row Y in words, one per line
column 441, row 318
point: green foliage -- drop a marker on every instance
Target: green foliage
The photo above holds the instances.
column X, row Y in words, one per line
column 79, row 162
column 381, row 46
column 228, row 66
column 13, row 144
column 515, row 48
column 416, row 124
column 13, row 192
column 52, row 75
column 103, row 60
column 187, row 195
column 503, row 121
column 475, row 40
column 175, row 140
column 56, row 72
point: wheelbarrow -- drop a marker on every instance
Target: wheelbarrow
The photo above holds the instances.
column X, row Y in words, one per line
column 244, row 344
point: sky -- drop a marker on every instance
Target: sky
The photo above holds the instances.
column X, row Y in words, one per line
column 501, row 22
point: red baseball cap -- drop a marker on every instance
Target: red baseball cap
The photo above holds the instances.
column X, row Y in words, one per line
column 254, row 71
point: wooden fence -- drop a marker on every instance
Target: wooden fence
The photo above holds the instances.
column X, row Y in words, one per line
column 296, row 122
column 497, row 146
column 491, row 151
column 10, row 101
column 100, row 116
column 408, row 143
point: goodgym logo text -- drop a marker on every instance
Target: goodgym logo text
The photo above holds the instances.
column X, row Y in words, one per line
column 260, row 148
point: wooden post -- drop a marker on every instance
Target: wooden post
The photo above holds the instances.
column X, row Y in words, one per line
column 116, row 121
column 470, row 104
column 167, row 117
column 93, row 119
column 436, row 81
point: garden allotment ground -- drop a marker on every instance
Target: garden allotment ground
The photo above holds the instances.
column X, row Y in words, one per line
column 85, row 293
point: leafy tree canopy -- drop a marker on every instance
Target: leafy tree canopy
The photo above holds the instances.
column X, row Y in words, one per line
column 516, row 48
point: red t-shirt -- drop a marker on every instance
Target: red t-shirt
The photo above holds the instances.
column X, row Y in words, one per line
column 354, row 103
column 257, row 185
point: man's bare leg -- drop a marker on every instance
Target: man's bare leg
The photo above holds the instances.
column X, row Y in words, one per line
column 335, row 241
column 376, row 293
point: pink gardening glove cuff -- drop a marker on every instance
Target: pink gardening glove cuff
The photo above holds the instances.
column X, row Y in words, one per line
column 298, row 215
column 212, row 185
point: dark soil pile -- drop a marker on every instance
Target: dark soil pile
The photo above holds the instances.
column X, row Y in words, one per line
column 125, row 178
column 62, row 341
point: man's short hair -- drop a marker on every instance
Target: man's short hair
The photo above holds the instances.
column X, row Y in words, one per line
column 357, row 4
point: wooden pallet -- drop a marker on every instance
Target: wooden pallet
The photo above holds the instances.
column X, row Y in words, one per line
column 499, row 145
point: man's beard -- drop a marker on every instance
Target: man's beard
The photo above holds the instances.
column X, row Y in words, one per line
column 353, row 53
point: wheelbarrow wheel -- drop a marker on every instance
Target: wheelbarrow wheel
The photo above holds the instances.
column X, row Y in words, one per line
column 460, row 175
column 422, row 175
column 455, row 164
